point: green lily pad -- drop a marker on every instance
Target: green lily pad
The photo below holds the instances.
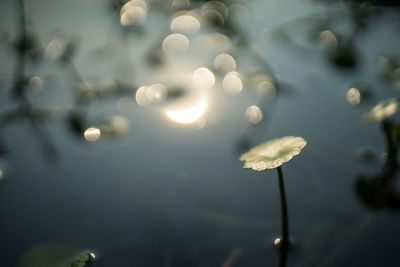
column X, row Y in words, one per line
column 272, row 154
column 54, row 255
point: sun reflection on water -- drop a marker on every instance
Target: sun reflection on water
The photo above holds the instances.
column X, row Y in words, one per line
column 186, row 24
column 143, row 96
column 232, row 83
column 217, row 6
column 188, row 114
column 353, row 96
column 180, row 4
column 204, row 78
column 133, row 12
column 175, row 43
column 254, row 114
column 159, row 92
column 92, row 134
column 155, row 93
column 224, row 63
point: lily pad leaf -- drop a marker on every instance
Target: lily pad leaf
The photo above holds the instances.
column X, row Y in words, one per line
column 54, row 255
column 272, row 154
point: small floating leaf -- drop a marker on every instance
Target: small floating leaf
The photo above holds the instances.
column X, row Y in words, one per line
column 382, row 110
column 54, row 255
column 272, row 154
column 81, row 260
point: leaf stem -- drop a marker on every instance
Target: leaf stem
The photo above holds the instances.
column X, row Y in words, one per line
column 284, row 212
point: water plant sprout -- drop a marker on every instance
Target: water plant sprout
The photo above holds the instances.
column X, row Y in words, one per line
column 270, row 155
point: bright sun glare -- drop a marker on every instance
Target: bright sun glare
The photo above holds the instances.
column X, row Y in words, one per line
column 189, row 114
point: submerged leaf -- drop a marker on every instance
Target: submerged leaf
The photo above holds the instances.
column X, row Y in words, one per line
column 272, row 154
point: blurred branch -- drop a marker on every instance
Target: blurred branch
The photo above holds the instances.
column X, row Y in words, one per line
column 25, row 110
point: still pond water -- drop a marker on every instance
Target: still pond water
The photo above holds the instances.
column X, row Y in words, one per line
column 95, row 160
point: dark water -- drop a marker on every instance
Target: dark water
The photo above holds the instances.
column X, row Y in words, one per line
column 171, row 194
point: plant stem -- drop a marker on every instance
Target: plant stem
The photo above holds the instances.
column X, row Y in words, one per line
column 284, row 212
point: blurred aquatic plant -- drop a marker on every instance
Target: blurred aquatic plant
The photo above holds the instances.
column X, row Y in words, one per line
column 29, row 51
column 55, row 255
column 344, row 55
column 3, row 171
column 390, row 68
column 377, row 191
column 270, row 155
column 382, row 110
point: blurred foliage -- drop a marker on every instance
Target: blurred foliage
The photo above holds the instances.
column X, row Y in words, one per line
column 378, row 191
column 54, row 255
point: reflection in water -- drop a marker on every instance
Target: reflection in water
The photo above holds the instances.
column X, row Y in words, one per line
column 92, row 134
column 215, row 42
column 180, row 4
column 124, row 103
column 212, row 17
column 395, row 77
column 201, row 123
column 385, row 65
column 186, row 24
column 224, row 63
column 116, row 125
column 133, row 13
column 283, row 249
column 240, row 13
column 158, row 92
column 188, row 114
column 254, row 114
column 143, row 96
column 266, row 88
column 344, row 55
column 353, row 96
column 230, row 261
column 204, row 78
column 54, row 49
column 175, row 43
column 138, row 3
column 378, row 191
column 218, row 6
column 155, row 93
column 328, row 38
column 232, row 83
column 35, row 84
